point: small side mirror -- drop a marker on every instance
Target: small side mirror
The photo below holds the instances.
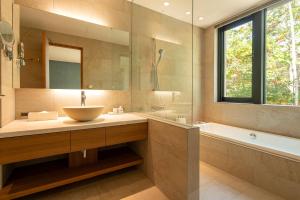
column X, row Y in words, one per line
column 7, row 39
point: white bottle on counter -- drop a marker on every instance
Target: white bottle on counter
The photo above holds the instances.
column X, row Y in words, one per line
column 120, row 110
column 181, row 119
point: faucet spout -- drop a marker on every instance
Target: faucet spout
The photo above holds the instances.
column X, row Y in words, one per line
column 83, row 98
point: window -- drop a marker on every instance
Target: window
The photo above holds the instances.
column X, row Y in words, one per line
column 259, row 57
column 283, row 54
column 239, row 50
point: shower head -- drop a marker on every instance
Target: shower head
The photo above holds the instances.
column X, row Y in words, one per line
column 161, row 55
column 156, row 82
column 161, row 52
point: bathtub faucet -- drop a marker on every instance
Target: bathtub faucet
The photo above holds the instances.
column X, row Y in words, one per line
column 253, row 135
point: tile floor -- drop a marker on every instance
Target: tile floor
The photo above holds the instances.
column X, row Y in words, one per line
column 216, row 184
column 132, row 184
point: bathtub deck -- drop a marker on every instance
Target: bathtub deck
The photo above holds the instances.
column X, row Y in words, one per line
column 216, row 184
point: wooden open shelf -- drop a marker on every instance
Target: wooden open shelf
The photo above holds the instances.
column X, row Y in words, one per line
column 40, row 177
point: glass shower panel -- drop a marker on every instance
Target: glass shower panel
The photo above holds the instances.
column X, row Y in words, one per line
column 162, row 58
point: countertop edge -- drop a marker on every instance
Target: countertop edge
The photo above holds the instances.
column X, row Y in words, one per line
column 63, row 125
column 72, row 127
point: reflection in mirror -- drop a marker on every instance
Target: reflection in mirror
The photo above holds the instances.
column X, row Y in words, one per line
column 6, row 32
column 66, row 53
column 7, row 38
column 65, row 69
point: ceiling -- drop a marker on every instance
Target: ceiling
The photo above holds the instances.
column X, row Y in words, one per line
column 210, row 11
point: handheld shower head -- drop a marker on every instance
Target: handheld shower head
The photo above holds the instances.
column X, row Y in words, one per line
column 161, row 52
column 161, row 55
column 156, row 82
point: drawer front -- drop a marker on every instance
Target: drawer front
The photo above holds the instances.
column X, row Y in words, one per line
column 23, row 148
column 87, row 139
column 126, row 133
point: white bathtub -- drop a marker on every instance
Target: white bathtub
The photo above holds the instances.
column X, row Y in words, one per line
column 271, row 143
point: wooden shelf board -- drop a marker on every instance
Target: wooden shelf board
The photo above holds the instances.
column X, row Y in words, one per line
column 32, row 179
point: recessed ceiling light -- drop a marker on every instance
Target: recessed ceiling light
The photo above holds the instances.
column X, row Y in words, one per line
column 187, row 12
column 201, row 18
column 166, row 3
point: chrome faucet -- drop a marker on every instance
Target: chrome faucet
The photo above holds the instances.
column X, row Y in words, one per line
column 83, row 98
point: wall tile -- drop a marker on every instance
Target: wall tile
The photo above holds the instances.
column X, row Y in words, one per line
column 7, row 105
column 36, row 100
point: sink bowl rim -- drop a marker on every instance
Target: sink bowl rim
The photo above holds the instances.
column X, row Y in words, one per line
column 83, row 113
column 83, row 107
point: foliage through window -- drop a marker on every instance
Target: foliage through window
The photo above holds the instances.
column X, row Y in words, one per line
column 238, row 61
column 283, row 54
column 259, row 57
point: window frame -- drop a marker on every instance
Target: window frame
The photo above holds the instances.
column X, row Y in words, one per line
column 258, row 59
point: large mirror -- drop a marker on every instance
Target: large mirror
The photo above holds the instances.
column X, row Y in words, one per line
column 66, row 53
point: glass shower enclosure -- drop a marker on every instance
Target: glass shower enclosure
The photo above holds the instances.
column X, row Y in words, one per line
column 165, row 58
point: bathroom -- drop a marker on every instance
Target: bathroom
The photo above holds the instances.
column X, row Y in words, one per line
column 162, row 99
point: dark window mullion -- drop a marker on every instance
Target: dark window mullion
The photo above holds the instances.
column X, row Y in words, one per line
column 264, row 55
column 237, row 99
column 258, row 57
column 221, row 69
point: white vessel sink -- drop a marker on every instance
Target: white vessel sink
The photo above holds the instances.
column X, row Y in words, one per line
column 83, row 113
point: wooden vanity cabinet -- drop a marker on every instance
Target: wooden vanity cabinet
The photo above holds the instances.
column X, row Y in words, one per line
column 85, row 159
column 100, row 137
column 30, row 147
column 16, row 149
column 87, row 139
column 126, row 133
column 86, row 142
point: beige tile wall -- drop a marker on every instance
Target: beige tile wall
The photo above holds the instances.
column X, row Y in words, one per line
column 36, row 100
column 277, row 174
column 171, row 157
column 7, row 78
column 198, row 74
column 282, row 120
column 7, row 107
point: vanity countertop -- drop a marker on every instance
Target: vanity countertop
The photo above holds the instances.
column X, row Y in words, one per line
column 24, row 127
